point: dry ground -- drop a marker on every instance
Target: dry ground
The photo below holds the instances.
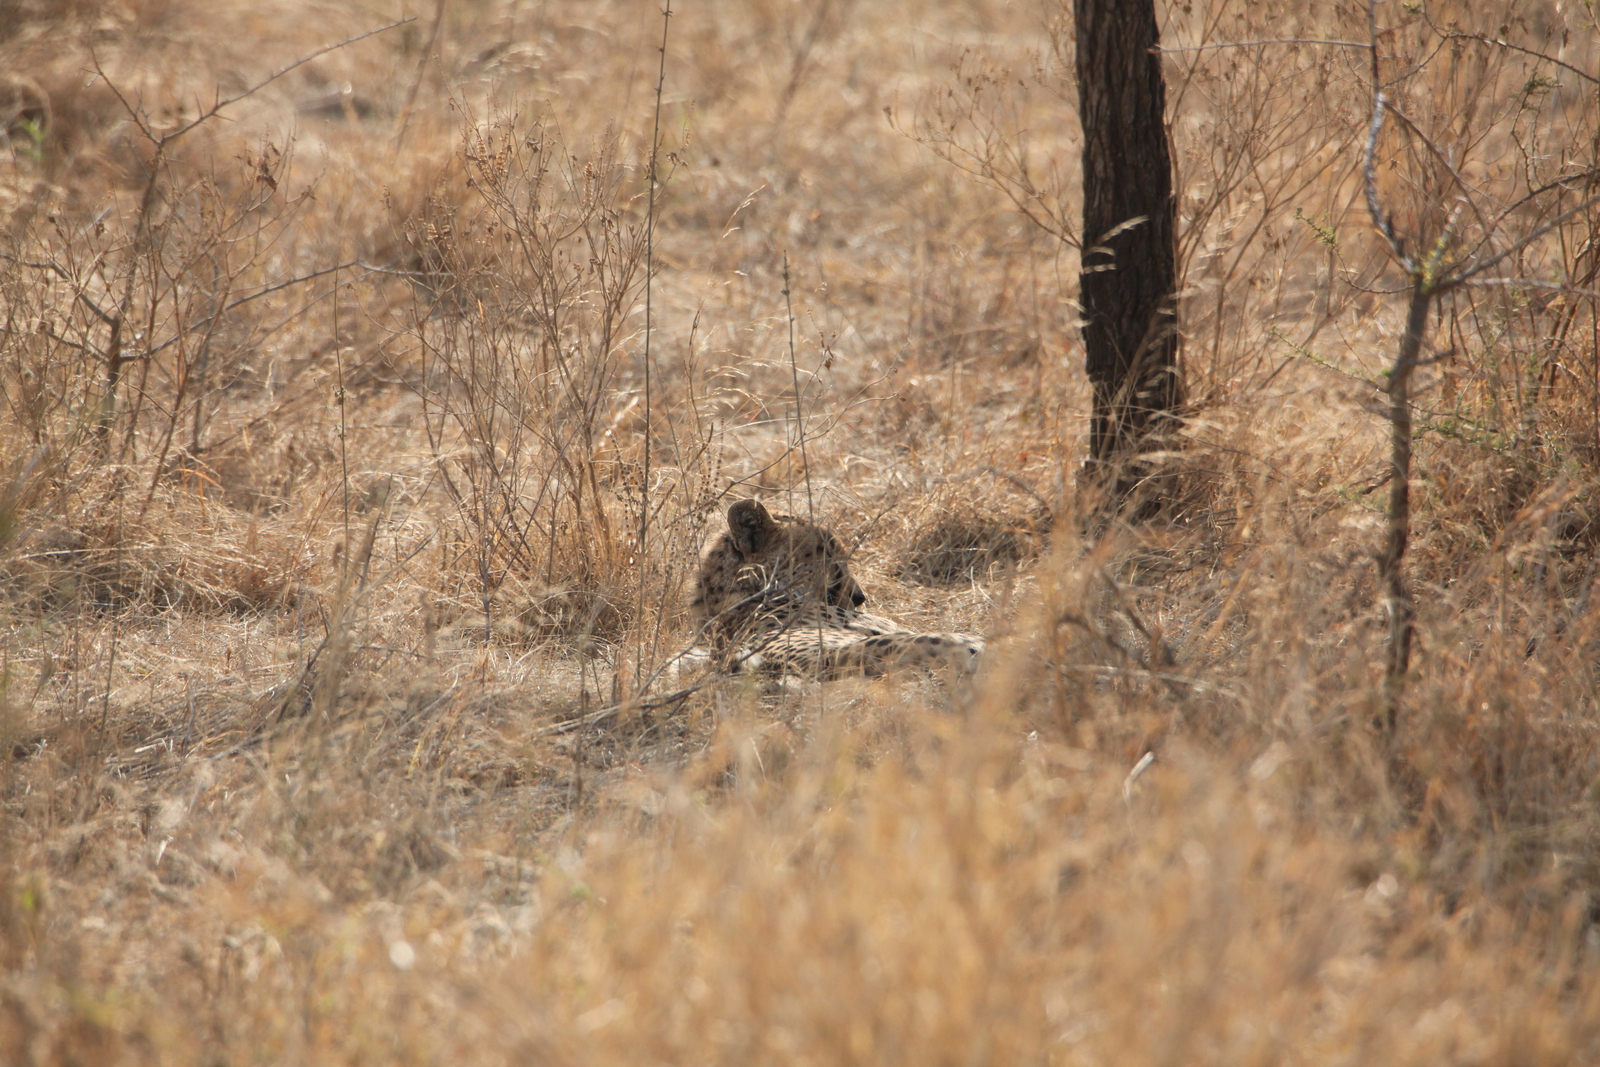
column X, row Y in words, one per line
column 351, row 480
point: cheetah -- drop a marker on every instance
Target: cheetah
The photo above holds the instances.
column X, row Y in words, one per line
column 775, row 594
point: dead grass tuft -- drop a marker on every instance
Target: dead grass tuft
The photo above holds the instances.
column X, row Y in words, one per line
column 955, row 550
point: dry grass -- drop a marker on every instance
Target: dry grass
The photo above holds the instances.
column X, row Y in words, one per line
column 320, row 604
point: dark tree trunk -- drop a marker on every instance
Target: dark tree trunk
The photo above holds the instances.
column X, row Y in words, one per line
column 1129, row 272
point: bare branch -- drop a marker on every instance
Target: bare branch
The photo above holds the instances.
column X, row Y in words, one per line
column 1523, row 283
column 56, row 268
column 1162, row 51
column 1444, row 161
column 1523, row 243
column 422, row 68
column 260, row 85
column 136, row 114
column 296, row 280
column 270, row 289
column 1458, row 35
column 1369, row 167
column 1587, row 175
column 37, row 264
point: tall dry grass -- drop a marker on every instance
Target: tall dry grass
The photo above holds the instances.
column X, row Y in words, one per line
column 341, row 712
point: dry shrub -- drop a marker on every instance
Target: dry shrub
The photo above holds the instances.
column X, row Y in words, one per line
column 533, row 265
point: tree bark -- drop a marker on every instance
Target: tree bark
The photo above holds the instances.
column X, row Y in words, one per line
column 1129, row 266
column 1398, row 604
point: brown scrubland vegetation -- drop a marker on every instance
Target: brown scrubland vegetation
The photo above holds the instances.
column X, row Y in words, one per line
column 349, row 503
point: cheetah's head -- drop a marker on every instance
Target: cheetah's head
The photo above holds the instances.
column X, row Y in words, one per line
column 799, row 557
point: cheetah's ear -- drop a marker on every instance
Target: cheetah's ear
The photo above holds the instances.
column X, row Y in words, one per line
column 750, row 526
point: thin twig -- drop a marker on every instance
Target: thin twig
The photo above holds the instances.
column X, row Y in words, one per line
column 1586, row 176
column 799, row 415
column 1443, row 159
column 1369, row 167
column 258, row 86
column 296, row 280
column 649, row 288
column 1452, row 35
column 53, row 266
column 799, row 420
column 422, row 68
column 1524, row 283
column 998, row 473
column 1160, row 50
column 1524, row 242
column 344, row 455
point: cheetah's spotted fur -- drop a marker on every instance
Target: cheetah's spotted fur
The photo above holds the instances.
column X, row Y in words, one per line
column 775, row 593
